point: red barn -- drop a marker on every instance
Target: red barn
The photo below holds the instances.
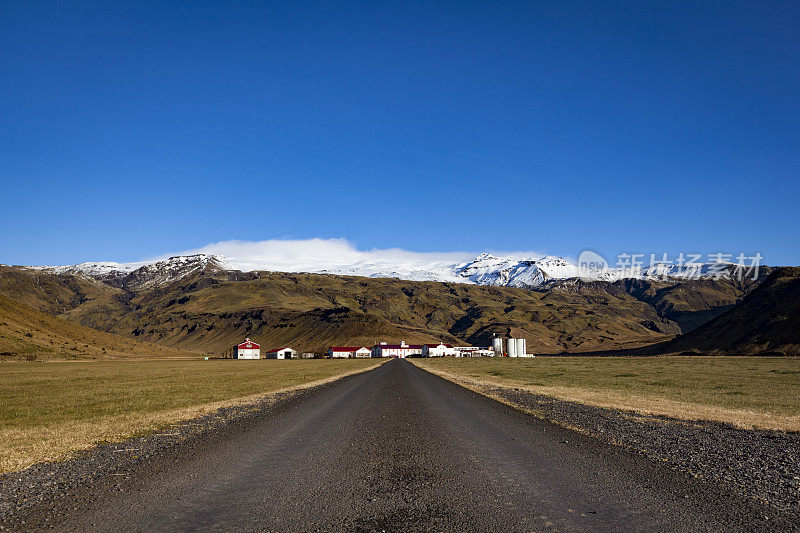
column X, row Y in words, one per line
column 247, row 350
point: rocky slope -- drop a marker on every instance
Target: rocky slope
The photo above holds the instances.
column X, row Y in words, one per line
column 766, row 321
column 136, row 276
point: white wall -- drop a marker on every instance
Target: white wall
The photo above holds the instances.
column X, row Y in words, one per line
column 252, row 353
column 285, row 353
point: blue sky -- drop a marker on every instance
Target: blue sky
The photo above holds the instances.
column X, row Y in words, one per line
column 134, row 129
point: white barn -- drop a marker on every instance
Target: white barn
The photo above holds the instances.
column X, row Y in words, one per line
column 473, row 351
column 341, row 352
column 281, row 353
column 247, row 350
column 437, row 350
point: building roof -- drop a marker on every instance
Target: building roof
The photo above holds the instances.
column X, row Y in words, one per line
column 278, row 350
column 396, row 346
column 347, row 348
column 248, row 344
column 437, row 345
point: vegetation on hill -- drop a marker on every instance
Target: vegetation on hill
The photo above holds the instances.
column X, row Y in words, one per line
column 212, row 309
column 27, row 333
column 691, row 303
column 766, row 321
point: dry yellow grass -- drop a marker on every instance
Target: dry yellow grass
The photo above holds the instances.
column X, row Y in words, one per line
column 48, row 410
column 748, row 392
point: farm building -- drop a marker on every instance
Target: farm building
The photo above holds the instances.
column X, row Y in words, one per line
column 281, row 353
column 396, row 350
column 247, row 350
column 437, row 350
column 337, row 352
column 473, row 351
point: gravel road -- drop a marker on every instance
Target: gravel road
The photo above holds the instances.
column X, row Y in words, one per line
column 397, row 449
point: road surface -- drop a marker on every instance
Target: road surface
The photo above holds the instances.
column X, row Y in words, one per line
column 398, row 448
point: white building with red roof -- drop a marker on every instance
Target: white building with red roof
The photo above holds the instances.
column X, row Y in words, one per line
column 396, row 350
column 438, row 350
column 344, row 352
column 247, row 350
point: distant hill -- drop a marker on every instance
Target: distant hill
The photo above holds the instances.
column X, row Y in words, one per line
column 766, row 321
column 199, row 303
column 29, row 333
column 691, row 303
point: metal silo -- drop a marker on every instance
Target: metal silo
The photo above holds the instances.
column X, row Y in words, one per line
column 521, row 348
column 497, row 346
column 512, row 347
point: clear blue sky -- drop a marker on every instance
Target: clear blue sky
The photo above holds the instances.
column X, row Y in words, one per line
column 131, row 129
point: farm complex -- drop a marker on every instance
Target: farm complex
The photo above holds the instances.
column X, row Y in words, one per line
column 500, row 348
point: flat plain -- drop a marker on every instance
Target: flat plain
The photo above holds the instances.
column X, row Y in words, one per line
column 750, row 392
column 48, row 410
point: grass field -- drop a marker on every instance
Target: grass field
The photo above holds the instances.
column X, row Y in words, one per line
column 48, row 410
column 761, row 392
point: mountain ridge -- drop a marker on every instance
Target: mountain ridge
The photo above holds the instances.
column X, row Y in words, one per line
column 199, row 302
column 486, row 269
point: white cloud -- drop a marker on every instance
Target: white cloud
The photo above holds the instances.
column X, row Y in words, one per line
column 313, row 255
column 336, row 254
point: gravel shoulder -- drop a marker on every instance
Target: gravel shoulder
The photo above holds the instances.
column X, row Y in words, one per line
column 758, row 464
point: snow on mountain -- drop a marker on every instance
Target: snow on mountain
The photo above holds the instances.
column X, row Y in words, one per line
column 174, row 268
column 437, row 271
column 144, row 274
column 91, row 268
column 485, row 269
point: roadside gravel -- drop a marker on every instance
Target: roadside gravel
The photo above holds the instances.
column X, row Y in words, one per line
column 764, row 465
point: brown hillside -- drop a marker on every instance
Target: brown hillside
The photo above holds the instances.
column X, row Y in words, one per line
column 766, row 321
column 691, row 303
column 28, row 333
column 311, row 311
column 211, row 310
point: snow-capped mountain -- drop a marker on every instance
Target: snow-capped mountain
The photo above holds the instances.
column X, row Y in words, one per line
column 485, row 269
column 142, row 275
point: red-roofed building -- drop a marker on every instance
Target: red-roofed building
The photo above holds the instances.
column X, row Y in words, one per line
column 343, row 352
column 396, row 350
column 247, row 350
